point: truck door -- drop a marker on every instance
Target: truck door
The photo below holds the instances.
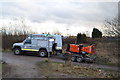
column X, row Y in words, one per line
column 28, row 46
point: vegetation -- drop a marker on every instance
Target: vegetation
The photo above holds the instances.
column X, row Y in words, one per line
column 8, row 40
column 59, row 70
column 107, row 51
column 6, row 69
column 17, row 26
column 14, row 32
column 96, row 33
column 0, row 67
column 81, row 38
column 112, row 27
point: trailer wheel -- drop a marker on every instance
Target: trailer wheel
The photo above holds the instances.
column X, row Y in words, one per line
column 79, row 59
column 17, row 51
column 42, row 53
column 73, row 58
column 91, row 61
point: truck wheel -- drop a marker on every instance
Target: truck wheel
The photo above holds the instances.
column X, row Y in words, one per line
column 73, row 58
column 17, row 51
column 79, row 59
column 42, row 53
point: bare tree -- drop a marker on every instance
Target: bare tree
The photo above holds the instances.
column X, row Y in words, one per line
column 112, row 27
column 19, row 27
column 3, row 31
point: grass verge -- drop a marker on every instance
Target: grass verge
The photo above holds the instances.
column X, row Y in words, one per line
column 5, row 70
column 60, row 70
column 5, row 50
column 0, row 71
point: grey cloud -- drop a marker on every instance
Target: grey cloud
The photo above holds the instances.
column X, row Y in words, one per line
column 68, row 12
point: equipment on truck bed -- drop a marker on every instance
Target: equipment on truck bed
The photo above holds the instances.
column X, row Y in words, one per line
column 81, row 53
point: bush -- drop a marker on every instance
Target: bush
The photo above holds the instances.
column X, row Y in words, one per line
column 96, row 33
column 9, row 40
column 46, row 60
column 81, row 38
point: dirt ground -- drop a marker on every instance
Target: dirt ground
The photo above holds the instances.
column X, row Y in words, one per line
column 24, row 66
column 60, row 70
column 21, row 66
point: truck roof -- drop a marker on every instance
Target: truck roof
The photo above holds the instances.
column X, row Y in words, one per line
column 44, row 35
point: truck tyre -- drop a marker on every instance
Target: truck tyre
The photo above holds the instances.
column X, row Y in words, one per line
column 17, row 51
column 73, row 58
column 42, row 53
column 79, row 59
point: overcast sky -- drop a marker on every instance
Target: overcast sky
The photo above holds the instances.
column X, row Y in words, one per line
column 59, row 15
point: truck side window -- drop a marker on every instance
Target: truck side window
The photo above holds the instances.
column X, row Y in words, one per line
column 28, row 41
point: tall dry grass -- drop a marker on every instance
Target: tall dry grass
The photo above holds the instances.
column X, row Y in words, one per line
column 8, row 40
column 107, row 51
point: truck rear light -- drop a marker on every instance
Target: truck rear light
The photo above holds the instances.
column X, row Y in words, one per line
column 58, row 47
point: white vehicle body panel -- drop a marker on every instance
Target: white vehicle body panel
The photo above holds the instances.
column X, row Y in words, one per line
column 38, row 41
